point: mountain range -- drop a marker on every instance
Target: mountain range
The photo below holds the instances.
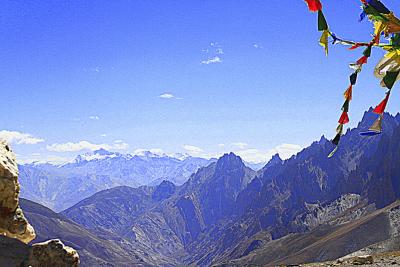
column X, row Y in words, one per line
column 60, row 186
column 304, row 209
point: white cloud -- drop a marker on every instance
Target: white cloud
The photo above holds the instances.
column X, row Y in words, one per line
column 168, row 96
column 103, row 135
column 286, row 150
column 219, row 51
column 85, row 145
column 193, row 150
column 14, row 137
column 221, row 145
column 257, row 46
column 94, row 117
column 240, row 145
column 119, row 145
column 212, row 60
column 252, row 155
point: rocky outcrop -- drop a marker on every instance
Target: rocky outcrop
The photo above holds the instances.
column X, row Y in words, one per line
column 12, row 221
column 16, row 232
column 47, row 254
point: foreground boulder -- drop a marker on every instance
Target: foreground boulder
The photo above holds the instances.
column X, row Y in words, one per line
column 16, row 232
column 12, row 221
column 47, row 254
column 362, row 260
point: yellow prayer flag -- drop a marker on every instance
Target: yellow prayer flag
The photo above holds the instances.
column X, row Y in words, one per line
column 323, row 41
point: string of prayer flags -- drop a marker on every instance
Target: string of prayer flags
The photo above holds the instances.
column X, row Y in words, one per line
column 385, row 24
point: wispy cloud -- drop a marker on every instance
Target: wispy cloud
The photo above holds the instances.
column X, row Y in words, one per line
column 286, row 150
column 219, row 51
column 94, row 117
column 253, row 155
column 193, row 150
column 213, row 54
column 93, row 69
column 257, row 46
column 212, row 60
column 168, row 96
column 85, row 145
column 239, row 145
column 19, row 138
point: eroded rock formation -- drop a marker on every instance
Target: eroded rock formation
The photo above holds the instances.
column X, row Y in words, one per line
column 12, row 221
column 15, row 230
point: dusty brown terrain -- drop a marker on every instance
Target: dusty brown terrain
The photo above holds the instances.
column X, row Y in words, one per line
column 381, row 259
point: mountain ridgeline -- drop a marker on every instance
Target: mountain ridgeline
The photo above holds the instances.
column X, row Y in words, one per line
column 60, row 186
column 299, row 210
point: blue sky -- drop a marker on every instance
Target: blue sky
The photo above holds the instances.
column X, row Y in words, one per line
column 203, row 77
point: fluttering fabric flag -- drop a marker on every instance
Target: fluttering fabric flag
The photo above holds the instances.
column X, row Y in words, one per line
column 390, row 78
column 314, row 5
column 375, row 129
column 385, row 24
column 377, row 125
column 379, row 109
column 323, row 41
column 322, row 24
column 348, row 94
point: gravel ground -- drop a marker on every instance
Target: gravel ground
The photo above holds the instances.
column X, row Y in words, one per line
column 384, row 259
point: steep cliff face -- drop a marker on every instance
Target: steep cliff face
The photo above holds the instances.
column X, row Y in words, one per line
column 16, row 232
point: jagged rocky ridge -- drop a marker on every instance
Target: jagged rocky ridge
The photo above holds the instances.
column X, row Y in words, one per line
column 227, row 211
column 16, row 232
column 61, row 186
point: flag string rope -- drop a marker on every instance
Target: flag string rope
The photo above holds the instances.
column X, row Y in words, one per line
column 385, row 24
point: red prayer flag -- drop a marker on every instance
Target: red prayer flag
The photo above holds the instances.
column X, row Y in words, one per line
column 344, row 118
column 362, row 60
column 357, row 45
column 379, row 109
column 314, row 5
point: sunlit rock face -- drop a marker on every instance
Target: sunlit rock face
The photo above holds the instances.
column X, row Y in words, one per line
column 12, row 221
column 16, row 232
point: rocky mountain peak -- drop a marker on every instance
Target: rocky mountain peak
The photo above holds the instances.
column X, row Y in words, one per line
column 229, row 161
column 276, row 159
column 163, row 190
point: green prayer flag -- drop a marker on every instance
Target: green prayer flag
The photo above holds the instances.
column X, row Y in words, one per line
column 367, row 51
column 336, row 140
column 345, row 106
column 374, row 14
column 322, row 24
column 390, row 78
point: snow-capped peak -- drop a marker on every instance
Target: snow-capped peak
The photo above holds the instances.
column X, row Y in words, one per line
column 180, row 156
column 153, row 153
column 96, row 155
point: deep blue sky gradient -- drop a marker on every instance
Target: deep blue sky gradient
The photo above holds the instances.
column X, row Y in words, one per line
column 64, row 61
